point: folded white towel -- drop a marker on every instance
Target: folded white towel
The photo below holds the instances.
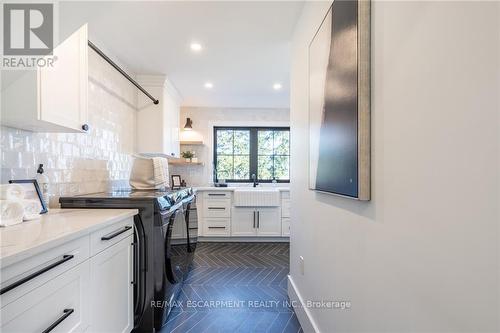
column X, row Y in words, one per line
column 32, row 209
column 149, row 173
column 11, row 212
column 11, row 192
column 160, row 168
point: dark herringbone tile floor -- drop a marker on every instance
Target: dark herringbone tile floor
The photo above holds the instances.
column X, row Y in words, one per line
column 236, row 287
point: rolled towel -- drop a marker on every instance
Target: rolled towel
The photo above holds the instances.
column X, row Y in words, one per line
column 11, row 192
column 32, row 209
column 11, row 212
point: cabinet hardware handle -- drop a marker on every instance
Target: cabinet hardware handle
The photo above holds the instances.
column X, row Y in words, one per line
column 67, row 313
column 216, row 227
column 116, row 233
column 217, row 208
column 258, row 219
column 254, row 219
column 16, row 284
column 85, row 127
column 216, row 194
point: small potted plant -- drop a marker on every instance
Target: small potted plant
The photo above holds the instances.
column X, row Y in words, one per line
column 194, row 159
column 188, row 155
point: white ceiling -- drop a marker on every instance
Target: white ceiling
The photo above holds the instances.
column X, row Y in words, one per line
column 245, row 45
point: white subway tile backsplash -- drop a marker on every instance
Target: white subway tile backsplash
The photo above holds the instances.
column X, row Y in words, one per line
column 80, row 163
column 11, row 159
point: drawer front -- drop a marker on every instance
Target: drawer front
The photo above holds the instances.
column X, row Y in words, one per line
column 63, row 302
column 217, row 227
column 217, row 195
column 104, row 238
column 285, row 207
column 285, row 227
column 217, row 208
column 24, row 276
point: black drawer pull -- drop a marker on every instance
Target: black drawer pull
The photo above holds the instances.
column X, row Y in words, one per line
column 67, row 313
column 217, row 208
column 16, row 284
column 116, row 233
column 216, row 194
column 216, row 227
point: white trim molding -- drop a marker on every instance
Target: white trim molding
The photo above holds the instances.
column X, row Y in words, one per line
column 303, row 313
column 160, row 81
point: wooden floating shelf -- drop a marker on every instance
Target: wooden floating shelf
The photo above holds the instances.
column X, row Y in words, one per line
column 192, row 143
column 184, row 163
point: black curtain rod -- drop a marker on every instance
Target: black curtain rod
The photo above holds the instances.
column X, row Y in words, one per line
column 112, row 63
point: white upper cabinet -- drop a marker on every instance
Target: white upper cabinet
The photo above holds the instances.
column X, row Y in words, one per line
column 50, row 99
column 158, row 125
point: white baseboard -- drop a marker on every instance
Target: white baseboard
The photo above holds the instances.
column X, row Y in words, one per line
column 244, row 239
column 303, row 313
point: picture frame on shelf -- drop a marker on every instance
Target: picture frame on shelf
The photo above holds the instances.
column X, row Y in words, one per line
column 176, row 181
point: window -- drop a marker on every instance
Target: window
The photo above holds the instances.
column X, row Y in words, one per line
column 240, row 152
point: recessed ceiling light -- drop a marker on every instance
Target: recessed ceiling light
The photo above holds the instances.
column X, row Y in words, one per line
column 196, row 47
column 277, row 86
column 209, row 85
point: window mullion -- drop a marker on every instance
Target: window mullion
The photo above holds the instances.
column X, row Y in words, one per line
column 254, row 152
column 273, row 157
column 233, row 157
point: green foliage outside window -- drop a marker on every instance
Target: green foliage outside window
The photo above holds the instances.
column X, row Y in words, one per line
column 237, row 159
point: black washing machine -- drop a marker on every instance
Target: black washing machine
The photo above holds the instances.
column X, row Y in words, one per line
column 166, row 231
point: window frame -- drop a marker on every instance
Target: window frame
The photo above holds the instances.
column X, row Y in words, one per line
column 254, row 153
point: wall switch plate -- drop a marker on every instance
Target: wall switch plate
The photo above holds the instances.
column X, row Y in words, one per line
column 301, row 264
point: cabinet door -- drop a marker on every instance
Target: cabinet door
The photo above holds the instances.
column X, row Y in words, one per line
column 285, row 226
column 62, row 301
column 63, row 88
column 112, row 289
column 268, row 221
column 175, row 128
column 243, row 222
column 171, row 123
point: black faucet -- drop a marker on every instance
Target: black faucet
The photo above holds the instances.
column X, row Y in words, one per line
column 254, row 178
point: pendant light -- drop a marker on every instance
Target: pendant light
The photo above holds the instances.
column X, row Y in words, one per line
column 189, row 124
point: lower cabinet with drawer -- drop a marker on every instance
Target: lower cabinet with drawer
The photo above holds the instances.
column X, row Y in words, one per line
column 217, row 208
column 220, row 216
column 62, row 305
column 217, row 227
column 285, row 226
column 82, row 285
column 259, row 221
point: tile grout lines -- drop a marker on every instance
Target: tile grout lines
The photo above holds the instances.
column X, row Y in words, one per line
column 248, row 273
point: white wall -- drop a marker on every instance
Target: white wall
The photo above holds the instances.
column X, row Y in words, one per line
column 423, row 255
column 204, row 119
column 80, row 163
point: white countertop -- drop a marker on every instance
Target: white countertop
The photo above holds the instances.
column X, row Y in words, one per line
column 20, row 241
column 232, row 188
